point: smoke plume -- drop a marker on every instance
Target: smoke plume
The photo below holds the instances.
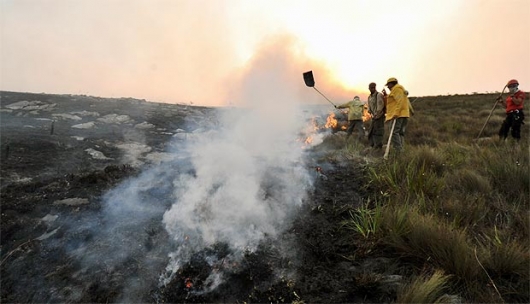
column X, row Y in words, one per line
column 249, row 176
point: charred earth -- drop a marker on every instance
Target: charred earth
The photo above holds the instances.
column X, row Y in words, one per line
column 62, row 156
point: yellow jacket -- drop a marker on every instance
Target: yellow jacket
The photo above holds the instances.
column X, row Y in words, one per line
column 355, row 107
column 397, row 104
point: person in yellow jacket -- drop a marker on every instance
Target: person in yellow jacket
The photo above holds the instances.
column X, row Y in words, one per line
column 398, row 112
column 355, row 116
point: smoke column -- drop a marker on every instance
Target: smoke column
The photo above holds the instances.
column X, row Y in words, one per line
column 249, row 176
column 236, row 185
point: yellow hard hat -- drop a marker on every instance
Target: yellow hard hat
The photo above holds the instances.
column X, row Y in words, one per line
column 391, row 79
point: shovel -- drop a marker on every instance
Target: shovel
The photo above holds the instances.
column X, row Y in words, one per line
column 310, row 82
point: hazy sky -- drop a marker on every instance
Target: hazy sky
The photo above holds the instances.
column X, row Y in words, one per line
column 209, row 51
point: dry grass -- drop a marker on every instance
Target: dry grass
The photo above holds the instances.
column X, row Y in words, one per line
column 425, row 289
column 428, row 238
column 454, row 204
column 468, row 180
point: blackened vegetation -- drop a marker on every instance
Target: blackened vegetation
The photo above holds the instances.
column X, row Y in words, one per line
column 318, row 272
column 36, row 264
column 44, row 255
column 321, row 270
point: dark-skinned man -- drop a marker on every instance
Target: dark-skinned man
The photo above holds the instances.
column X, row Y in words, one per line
column 376, row 108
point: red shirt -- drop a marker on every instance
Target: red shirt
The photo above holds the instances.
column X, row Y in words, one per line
column 510, row 105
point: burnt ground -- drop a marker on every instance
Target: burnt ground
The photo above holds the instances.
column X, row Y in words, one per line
column 51, row 208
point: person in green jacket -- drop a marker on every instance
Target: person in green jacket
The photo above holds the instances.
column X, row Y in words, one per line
column 355, row 116
column 397, row 112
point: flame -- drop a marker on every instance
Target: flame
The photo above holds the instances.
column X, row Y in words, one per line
column 366, row 114
column 188, row 283
column 331, row 121
column 311, row 130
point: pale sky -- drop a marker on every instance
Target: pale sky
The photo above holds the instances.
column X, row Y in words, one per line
column 210, row 51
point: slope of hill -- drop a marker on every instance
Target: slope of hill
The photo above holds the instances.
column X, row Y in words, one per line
column 446, row 221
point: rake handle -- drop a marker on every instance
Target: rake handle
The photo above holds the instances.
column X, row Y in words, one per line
column 324, row 96
column 385, row 157
column 491, row 112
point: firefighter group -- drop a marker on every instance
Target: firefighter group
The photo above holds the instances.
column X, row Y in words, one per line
column 395, row 109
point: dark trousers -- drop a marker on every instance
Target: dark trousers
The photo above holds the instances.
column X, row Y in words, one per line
column 377, row 131
column 398, row 136
column 513, row 121
column 355, row 124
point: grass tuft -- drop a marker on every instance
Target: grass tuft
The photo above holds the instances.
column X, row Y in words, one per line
column 426, row 237
column 425, row 289
column 364, row 221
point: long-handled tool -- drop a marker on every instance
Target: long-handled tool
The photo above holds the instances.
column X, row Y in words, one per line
column 385, row 157
column 489, row 116
column 310, row 82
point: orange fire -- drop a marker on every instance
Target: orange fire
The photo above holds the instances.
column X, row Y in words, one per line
column 331, row 121
column 366, row 114
column 188, row 283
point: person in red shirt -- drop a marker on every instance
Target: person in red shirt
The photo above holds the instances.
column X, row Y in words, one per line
column 514, row 111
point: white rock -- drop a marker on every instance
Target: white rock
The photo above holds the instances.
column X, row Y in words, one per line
column 96, row 154
column 30, row 105
column 49, row 218
column 144, row 125
column 67, row 116
column 134, row 148
column 18, row 105
column 181, row 136
column 133, row 152
column 76, row 201
column 47, row 235
column 85, row 113
column 115, row 118
column 86, row 125
column 158, row 157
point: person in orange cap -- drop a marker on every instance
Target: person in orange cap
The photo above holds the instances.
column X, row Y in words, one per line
column 397, row 112
column 514, row 111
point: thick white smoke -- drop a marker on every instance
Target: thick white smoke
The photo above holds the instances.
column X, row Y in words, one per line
column 234, row 184
column 249, row 176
